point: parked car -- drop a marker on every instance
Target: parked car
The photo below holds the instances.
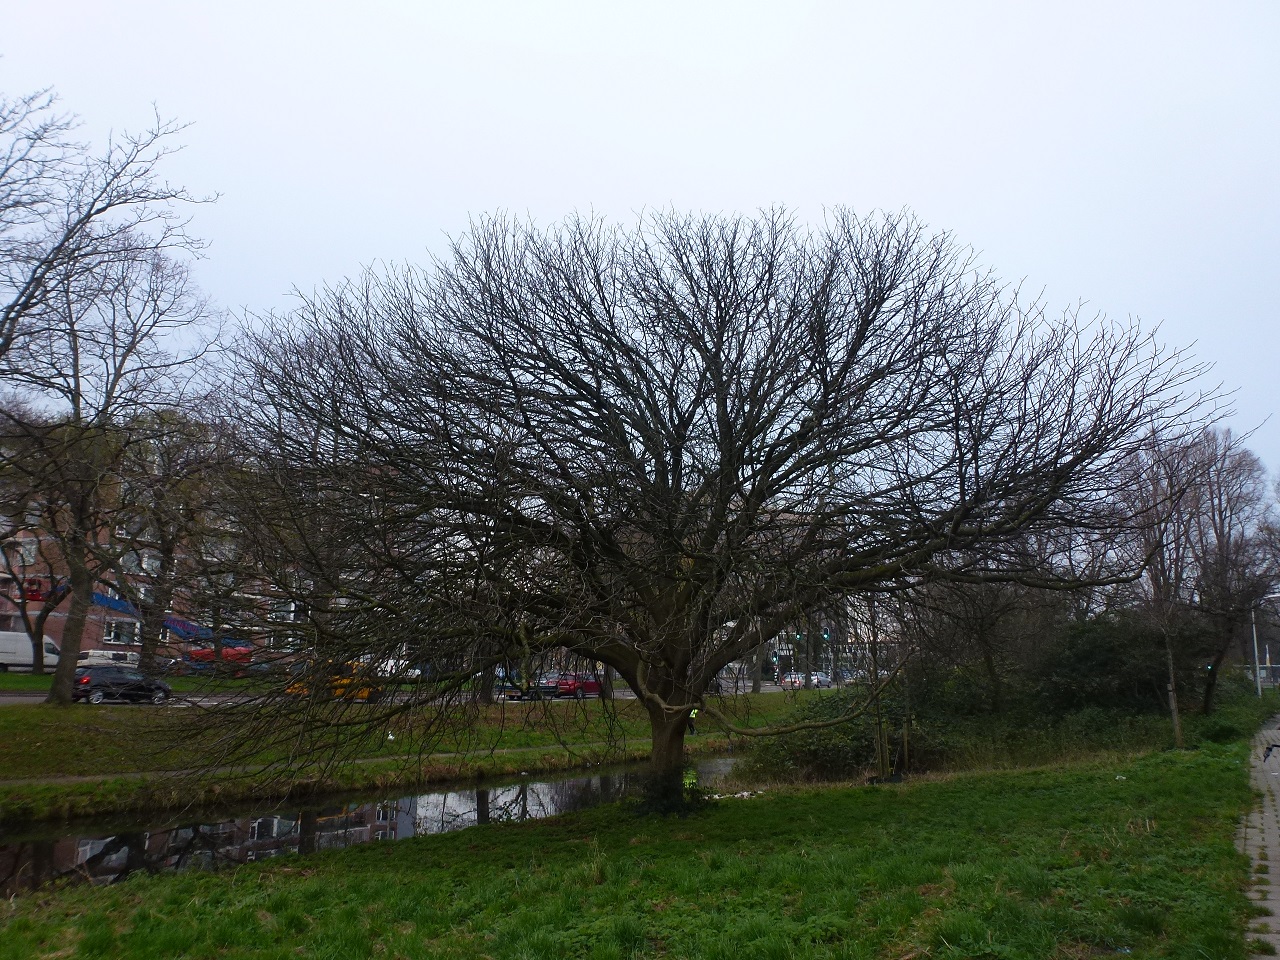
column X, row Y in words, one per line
column 95, row 684
column 235, row 657
column 577, row 685
column 795, row 681
column 506, row 684
column 125, row 658
column 846, row 675
column 15, row 651
column 97, row 658
column 545, row 687
column 343, row 681
column 400, row 670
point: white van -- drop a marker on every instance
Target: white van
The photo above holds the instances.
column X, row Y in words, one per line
column 97, row 658
column 15, row 651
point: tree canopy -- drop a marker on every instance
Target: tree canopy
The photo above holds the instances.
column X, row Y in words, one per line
column 655, row 447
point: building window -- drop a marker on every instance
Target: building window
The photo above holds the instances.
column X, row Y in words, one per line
column 120, row 631
column 22, row 551
column 285, row 611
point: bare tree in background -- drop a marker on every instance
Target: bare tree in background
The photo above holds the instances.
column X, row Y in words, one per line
column 171, row 521
column 1236, row 564
column 1206, row 515
column 1235, row 567
column 656, row 448
column 93, row 282
column 114, row 339
column 987, row 633
column 65, row 209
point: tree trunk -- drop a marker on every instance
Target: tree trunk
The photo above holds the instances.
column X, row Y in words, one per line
column 1173, row 692
column 73, row 632
column 154, row 612
column 1211, row 682
column 668, row 740
column 308, row 830
column 664, row 791
column 488, row 677
column 34, row 625
column 37, row 653
column 995, row 689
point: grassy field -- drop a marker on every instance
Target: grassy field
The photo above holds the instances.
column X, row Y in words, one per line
column 42, row 741
column 1131, row 857
column 12, row 681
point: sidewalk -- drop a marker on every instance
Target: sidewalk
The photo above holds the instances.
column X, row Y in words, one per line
column 1259, row 835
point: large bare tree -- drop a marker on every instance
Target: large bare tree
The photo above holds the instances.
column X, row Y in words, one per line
column 657, row 447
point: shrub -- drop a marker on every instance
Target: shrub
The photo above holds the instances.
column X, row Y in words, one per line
column 939, row 741
column 833, row 752
column 1117, row 660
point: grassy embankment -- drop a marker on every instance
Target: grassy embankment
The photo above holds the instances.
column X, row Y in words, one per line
column 12, row 681
column 1124, row 856
column 64, row 762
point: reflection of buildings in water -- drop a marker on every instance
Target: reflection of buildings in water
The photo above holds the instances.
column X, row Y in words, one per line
column 27, row 865
column 444, row 812
column 31, row 864
column 100, row 860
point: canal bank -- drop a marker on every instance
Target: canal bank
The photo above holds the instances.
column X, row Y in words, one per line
column 51, row 799
column 109, row 848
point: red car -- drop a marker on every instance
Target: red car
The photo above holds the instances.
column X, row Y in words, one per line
column 234, row 658
column 577, row 685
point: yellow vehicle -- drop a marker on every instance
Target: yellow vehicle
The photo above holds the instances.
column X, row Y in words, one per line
column 345, row 681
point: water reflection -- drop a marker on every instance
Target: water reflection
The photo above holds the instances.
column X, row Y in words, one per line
column 98, row 852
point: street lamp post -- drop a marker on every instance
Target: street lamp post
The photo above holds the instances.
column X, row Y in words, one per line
column 1253, row 617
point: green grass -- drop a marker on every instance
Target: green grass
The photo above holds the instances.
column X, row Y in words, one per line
column 1097, row 859
column 12, row 682
column 39, row 740
column 130, row 752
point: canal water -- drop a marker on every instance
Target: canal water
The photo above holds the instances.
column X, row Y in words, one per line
column 107, row 851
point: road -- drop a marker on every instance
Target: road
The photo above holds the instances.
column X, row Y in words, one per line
column 17, row 697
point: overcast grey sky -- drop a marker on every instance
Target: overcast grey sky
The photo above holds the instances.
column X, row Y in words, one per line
column 1118, row 153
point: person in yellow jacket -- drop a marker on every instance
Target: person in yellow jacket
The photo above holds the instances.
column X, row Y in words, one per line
column 692, row 713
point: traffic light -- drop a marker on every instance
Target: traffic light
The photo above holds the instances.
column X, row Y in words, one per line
column 826, row 634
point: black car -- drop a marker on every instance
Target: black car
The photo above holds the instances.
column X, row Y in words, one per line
column 109, row 682
column 544, row 687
